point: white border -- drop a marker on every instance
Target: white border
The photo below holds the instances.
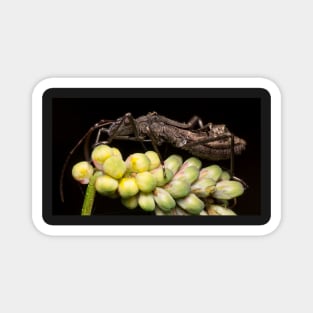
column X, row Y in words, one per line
column 153, row 230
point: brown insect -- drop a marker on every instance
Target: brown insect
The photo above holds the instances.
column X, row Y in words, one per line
column 207, row 141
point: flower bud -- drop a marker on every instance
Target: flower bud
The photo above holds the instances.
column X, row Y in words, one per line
column 159, row 212
column 189, row 174
column 192, row 204
column 214, row 209
column 173, row 163
column 225, row 176
column 163, row 199
column 179, row 212
column 146, row 201
column 138, row 162
column 114, row 166
column 100, row 154
column 203, row 187
column 117, row 152
column 131, row 202
column 112, row 194
column 228, row 189
column 82, row 171
column 178, row 188
column 127, row 187
column 154, row 159
column 192, row 162
column 146, row 181
column 106, row 184
column 158, row 174
column 213, row 171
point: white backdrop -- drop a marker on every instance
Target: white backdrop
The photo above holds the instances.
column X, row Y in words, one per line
column 134, row 38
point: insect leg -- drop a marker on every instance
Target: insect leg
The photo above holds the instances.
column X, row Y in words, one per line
column 207, row 140
column 151, row 135
column 205, row 127
column 133, row 123
column 124, row 137
column 85, row 138
column 100, row 131
column 232, row 163
column 192, row 122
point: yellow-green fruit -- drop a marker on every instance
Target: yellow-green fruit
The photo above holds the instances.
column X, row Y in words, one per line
column 146, row 181
column 159, row 212
column 106, row 184
column 179, row 211
column 189, row 174
column 224, row 176
column 117, row 152
column 131, row 202
column 138, row 162
column 100, row 154
column 228, row 189
column 114, row 166
column 154, row 159
column 173, row 163
column 178, row 188
column 213, row 171
column 214, row 209
column 192, row 162
column 82, row 171
column 158, row 174
column 203, row 187
column 192, row 204
column 212, row 212
column 163, row 199
column 146, row 201
column 112, row 195
column 127, row 187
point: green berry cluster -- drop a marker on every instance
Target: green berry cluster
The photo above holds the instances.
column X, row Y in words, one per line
column 177, row 188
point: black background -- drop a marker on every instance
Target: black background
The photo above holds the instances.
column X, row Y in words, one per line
column 73, row 116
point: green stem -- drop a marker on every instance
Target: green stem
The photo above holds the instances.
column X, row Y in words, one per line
column 89, row 196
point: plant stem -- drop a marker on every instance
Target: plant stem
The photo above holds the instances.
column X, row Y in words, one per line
column 89, row 196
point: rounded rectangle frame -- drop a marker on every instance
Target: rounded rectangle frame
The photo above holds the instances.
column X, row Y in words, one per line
column 73, row 228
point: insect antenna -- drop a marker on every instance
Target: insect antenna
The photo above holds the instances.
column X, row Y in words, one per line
column 232, row 155
column 86, row 138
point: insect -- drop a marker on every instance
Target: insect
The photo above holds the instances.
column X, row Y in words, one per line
column 207, row 141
